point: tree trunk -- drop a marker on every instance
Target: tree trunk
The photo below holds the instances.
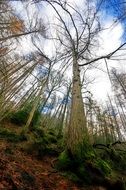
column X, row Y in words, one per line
column 62, row 118
column 77, row 133
column 32, row 112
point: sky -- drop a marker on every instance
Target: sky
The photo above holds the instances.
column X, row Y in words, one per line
column 109, row 40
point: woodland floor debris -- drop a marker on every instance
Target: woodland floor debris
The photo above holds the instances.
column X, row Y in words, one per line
column 20, row 170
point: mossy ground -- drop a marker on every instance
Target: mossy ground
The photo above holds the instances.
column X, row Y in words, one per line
column 96, row 167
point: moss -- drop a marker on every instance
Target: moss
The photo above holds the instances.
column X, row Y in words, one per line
column 88, row 167
column 103, row 166
column 89, row 155
column 42, row 143
column 20, row 117
column 76, row 171
column 117, row 159
column 38, row 132
column 83, row 174
column 84, row 151
column 71, row 176
column 51, row 138
column 41, row 147
column 11, row 136
column 8, row 150
column 64, row 161
column 48, row 137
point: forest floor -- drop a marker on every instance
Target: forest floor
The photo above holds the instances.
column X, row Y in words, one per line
column 22, row 171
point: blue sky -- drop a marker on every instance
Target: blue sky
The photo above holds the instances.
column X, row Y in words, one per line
column 116, row 9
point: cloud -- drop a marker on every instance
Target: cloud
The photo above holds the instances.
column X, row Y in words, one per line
column 110, row 39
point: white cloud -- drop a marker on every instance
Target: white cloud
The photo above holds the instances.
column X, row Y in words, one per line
column 110, row 40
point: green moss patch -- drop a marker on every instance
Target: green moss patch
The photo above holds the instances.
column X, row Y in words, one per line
column 11, row 136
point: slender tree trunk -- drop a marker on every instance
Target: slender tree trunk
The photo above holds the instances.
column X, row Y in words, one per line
column 46, row 100
column 116, row 121
column 64, row 112
column 34, row 108
column 77, row 129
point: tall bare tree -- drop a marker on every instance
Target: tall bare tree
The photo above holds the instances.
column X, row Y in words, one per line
column 76, row 33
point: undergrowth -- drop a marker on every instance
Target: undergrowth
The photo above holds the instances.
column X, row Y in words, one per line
column 11, row 136
column 20, row 117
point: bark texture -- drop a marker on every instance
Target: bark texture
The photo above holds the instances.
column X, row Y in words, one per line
column 77, row 129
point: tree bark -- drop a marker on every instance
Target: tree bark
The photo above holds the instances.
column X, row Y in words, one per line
column 32, row 112
column 77, row 129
